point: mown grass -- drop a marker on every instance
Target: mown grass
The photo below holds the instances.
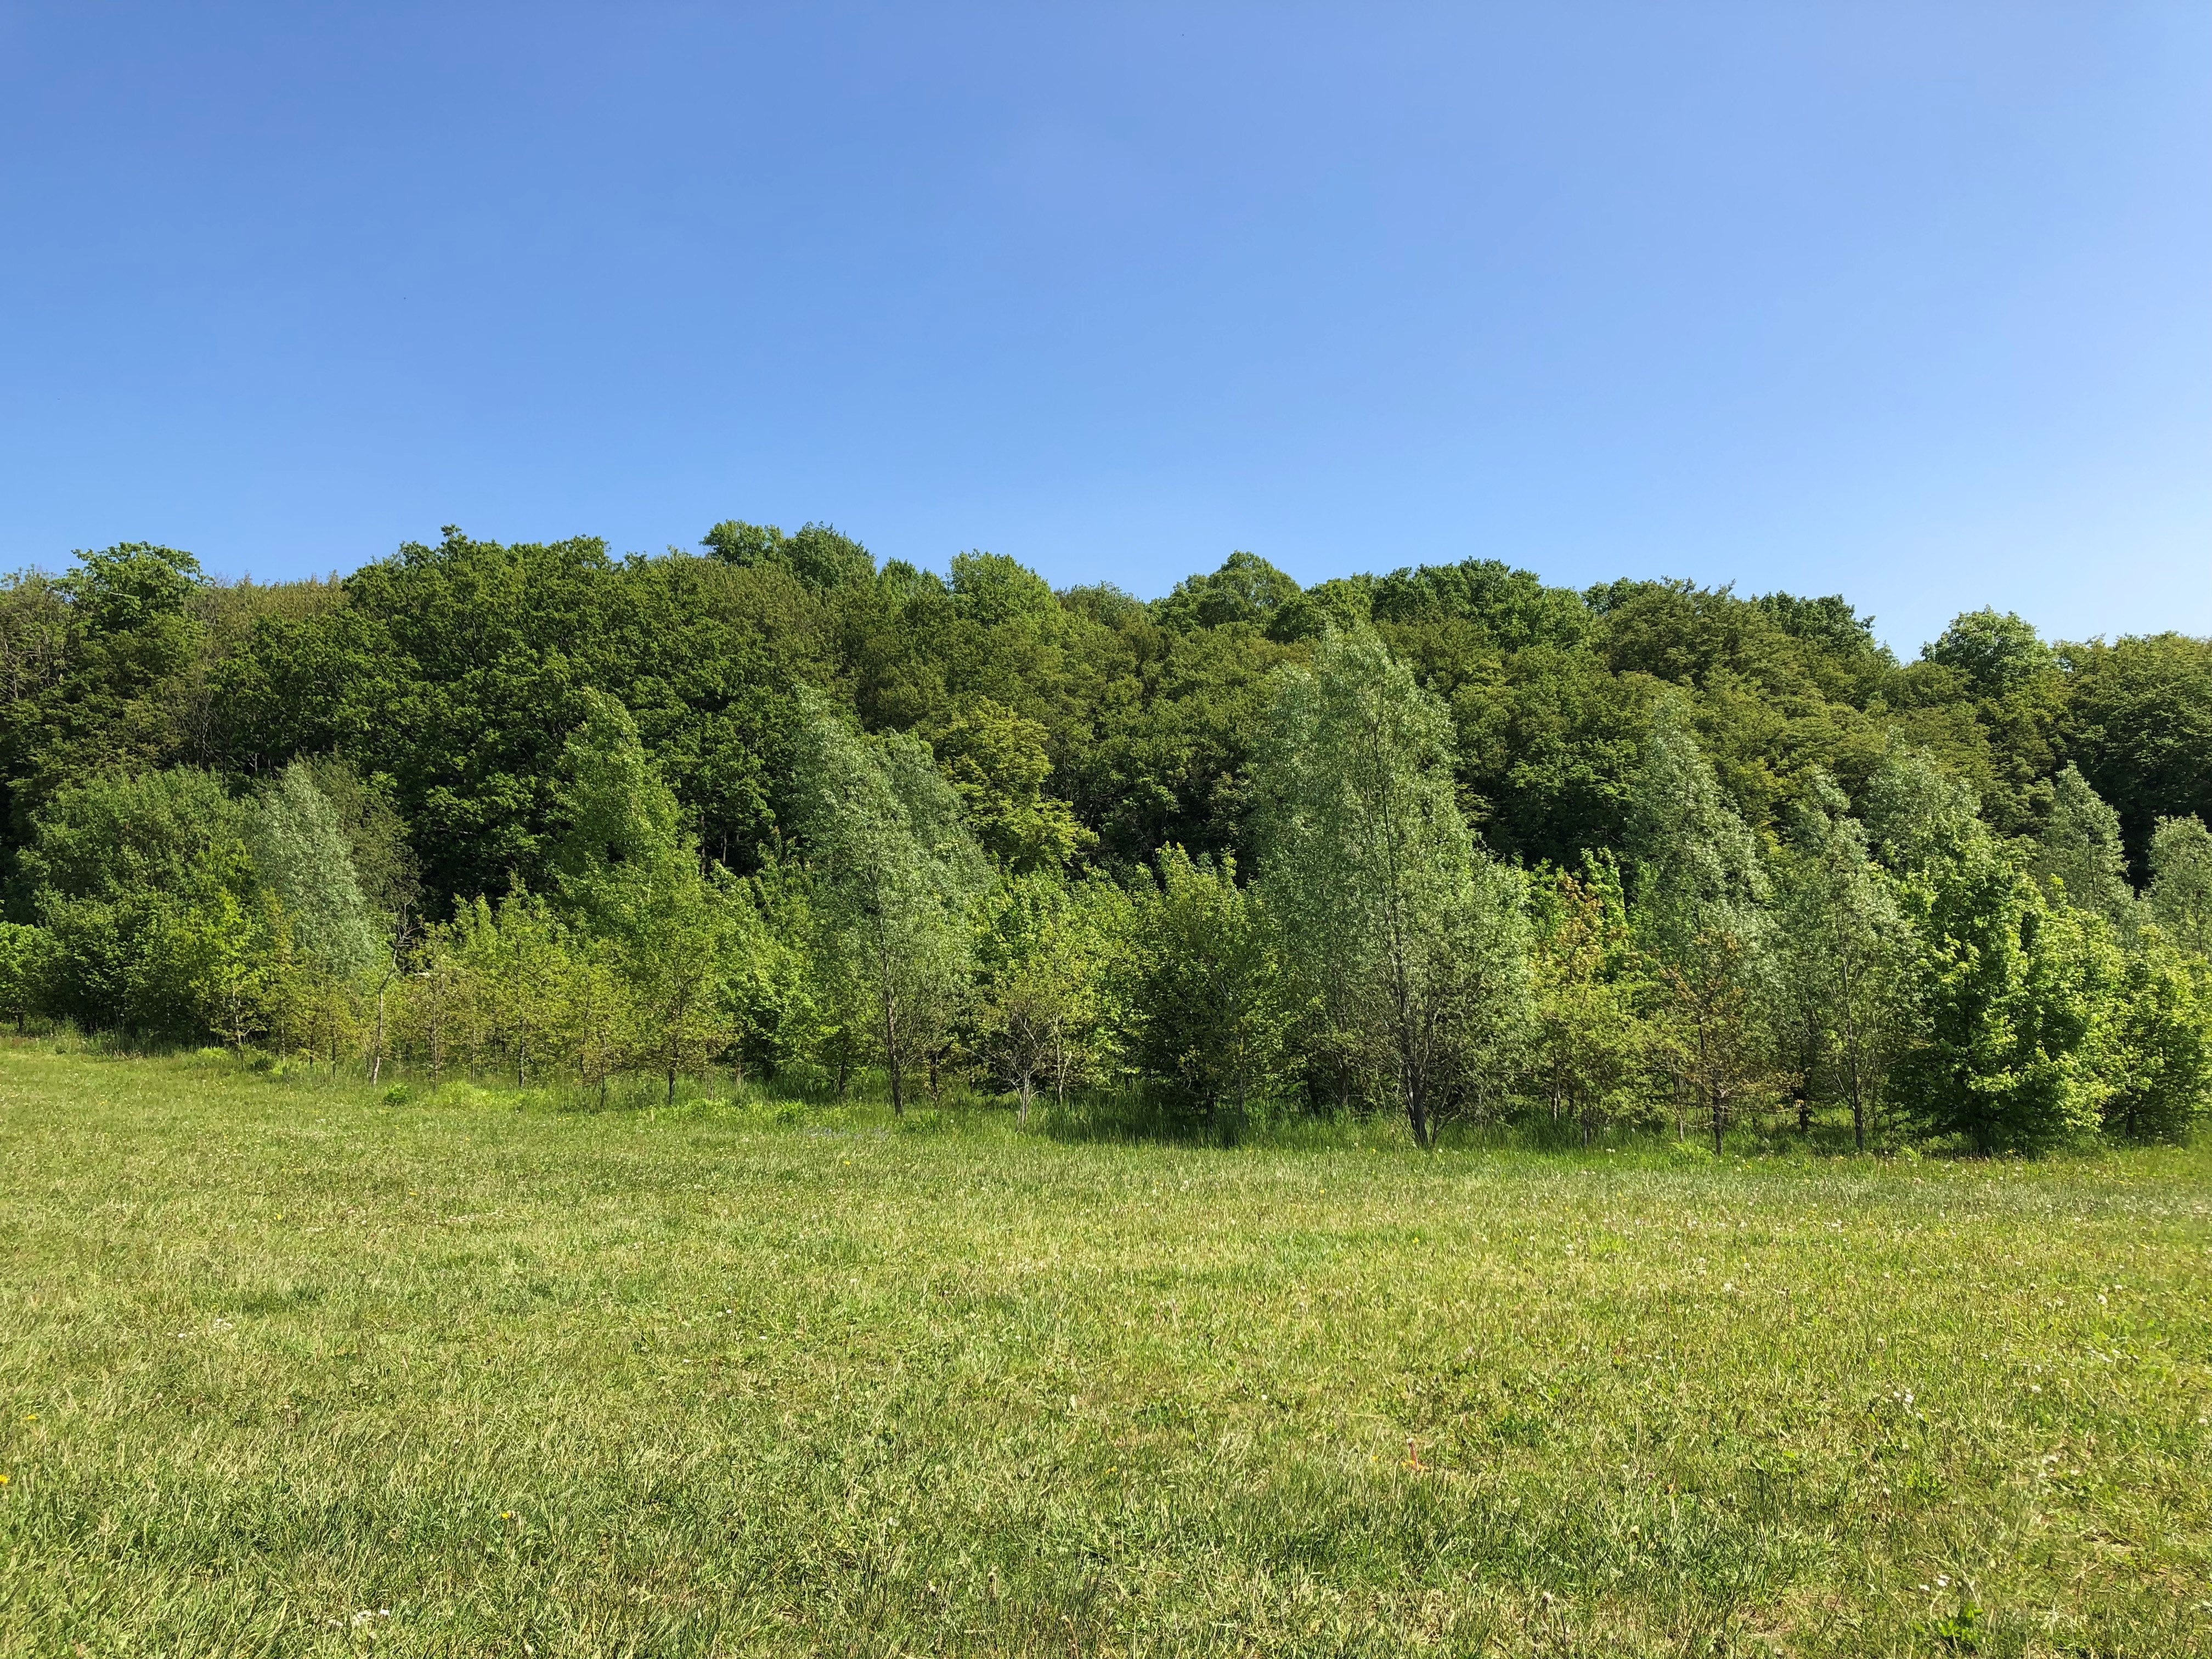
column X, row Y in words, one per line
column 286, row 1370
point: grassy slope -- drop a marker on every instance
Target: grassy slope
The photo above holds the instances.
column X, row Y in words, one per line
column 276, row 1355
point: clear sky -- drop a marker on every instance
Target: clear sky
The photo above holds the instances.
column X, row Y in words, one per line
column 1911, row 301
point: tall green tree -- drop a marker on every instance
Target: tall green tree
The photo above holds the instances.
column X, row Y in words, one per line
column 1206, row 1019
column 2078, row 854
column 2012, row 996
column 1917, row 815
column 146, row 890
column 520, row 957
column 2179, row 897
column 1409, row 940
column 1842, row 951
column 1047, row 947
column 995, row 757
column 1700, row 891
column 896, row 876
column 630, row 869
column 302, row 856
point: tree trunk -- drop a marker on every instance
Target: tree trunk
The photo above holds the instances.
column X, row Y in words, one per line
column 892, row 1053
column 1417, row 1109
column 670, row 1100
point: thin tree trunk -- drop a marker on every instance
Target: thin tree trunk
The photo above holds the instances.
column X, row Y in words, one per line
column 890, row 1030
column 376, row 1051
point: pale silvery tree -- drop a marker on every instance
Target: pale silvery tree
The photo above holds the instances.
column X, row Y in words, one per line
column 1699, row 913
column 301, row 855
column 2179, row 897
column 896, row 876
column 630, row 872
column 1844, row 954
column 1406, row 937
column 304, row 858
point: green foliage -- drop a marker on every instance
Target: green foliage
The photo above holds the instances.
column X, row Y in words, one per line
column 1844, row 952
column 25, row 968
column 2011, row 997
column 2078, row 854
column 1246, row 589
column 895, row 875
column 995, row 758
column 1700, row 892
column 1408, row 943
column 1043, row 1007
column 1917, row 815
column 1591, row 1045
column 144, row 885
column 1997, row 653
column 818, row 554
column 269, row 815
column 304, row 861
column 2179, row 897
column 1202, row 997
column 2158, row 1061
column 2137, row 719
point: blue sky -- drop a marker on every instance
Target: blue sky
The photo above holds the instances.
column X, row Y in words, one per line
column 1909, row 301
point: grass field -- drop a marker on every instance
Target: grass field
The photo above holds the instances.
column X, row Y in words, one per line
column 286, row 1370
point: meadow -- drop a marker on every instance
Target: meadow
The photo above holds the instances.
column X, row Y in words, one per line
column 288, row 1368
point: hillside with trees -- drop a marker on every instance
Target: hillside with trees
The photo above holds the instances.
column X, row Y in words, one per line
column 1446, row 842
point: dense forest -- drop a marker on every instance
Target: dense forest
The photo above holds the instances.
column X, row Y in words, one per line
column 1447, row 842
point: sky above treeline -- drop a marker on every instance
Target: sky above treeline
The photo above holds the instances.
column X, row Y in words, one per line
column 1911, row 302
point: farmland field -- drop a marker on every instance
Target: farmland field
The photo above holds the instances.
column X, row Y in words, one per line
column 287, row 1369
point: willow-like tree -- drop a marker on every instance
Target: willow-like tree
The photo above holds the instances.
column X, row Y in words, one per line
column 2179, row 897
column 2078, row 856
column 1700, row 893
column 630, row 869
column 301, row 855
column 1842, row 948
column 1410, row 940
column 895, row 879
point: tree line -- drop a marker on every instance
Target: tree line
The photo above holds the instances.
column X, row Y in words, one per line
column 1448, row 843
